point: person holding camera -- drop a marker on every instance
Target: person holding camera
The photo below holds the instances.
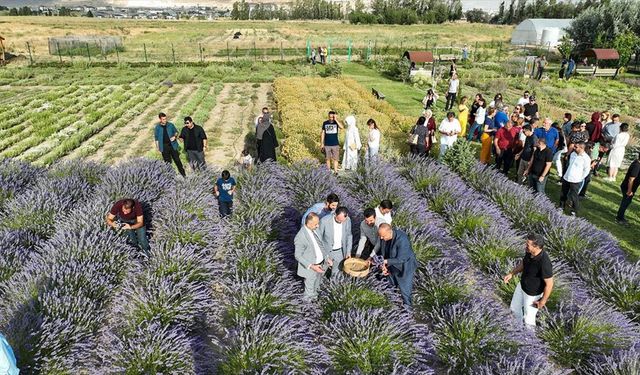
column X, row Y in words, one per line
column 126, row 215
column 330, row 142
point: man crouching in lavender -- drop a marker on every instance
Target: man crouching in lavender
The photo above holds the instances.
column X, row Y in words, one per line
column 536, row 282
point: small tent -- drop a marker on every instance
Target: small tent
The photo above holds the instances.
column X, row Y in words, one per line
column 540, row 31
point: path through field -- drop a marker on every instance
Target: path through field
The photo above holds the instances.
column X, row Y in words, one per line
column 231, row 120
column 129, row 138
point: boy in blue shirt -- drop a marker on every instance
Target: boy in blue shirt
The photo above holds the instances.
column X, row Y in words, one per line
column 224, row 189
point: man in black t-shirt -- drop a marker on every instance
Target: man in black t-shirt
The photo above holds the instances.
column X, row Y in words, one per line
column 524, row 156
column 628, row 187
column 531, row 109
column 195, row 143
column 329, row 140
column 539, row 166
column 536, row 282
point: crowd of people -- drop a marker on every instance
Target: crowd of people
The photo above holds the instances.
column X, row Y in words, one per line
column 325, row 240
column 521, row 143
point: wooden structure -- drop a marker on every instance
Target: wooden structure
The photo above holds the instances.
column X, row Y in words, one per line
column 597, row 55
column 416, row 57
column 2, row 56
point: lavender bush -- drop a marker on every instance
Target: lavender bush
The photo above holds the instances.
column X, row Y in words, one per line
column 265, row 345
column 16, row 177
column 578, row 335
column 592, row 253
column 349, row 293
column 621, row 363
column 368, row 342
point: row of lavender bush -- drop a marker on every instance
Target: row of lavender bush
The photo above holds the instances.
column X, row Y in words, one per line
column 592, row 328
column 473, row 330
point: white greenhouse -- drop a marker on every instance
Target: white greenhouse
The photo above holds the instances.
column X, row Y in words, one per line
column 540, row 31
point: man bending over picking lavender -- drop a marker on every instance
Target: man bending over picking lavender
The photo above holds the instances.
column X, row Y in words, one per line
column 126, row 214
column 536, row 282
column 400, row 262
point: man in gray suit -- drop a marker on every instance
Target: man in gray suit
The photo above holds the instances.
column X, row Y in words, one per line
column 313, row 260
column 335, row 234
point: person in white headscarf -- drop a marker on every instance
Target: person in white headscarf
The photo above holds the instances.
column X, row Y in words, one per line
column 352, row 144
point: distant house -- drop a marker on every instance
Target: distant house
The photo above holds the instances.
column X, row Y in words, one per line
column 540, row 31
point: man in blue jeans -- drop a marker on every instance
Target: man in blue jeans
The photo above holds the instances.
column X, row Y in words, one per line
column 224, row 189
column 126, row 214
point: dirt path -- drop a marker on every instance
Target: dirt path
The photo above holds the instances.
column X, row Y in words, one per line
column 231, row 119
column 138, row 132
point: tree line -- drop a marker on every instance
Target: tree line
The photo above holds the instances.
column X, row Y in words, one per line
column 402, row 12
column 516, row 11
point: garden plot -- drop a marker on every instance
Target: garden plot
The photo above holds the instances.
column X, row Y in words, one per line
column 140, row 132
column 231, row 120
column 303, row 104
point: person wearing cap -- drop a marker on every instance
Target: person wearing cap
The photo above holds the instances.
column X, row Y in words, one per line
column 531, row 109
column 536, row 283
column 195, row 143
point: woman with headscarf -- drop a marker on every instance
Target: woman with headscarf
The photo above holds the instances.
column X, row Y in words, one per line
column 266, row 139
column 352, row 144
column 595, row 132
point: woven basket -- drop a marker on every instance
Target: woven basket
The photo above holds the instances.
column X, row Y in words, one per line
column 356, row 267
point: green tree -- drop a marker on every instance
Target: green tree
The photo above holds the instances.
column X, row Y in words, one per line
column 477, row 15
column 566, row 47
column 626, row 44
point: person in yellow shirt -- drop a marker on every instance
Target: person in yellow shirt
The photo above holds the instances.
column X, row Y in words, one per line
column 463, row 116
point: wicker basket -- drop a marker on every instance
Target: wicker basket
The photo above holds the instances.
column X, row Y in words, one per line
column 356, row 267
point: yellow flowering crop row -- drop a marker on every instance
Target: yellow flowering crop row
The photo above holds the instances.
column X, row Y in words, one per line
column 303, row 104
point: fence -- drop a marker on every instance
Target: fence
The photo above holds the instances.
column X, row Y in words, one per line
column 99, row 50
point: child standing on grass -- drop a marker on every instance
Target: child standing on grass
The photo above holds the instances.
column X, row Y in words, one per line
column 224, row 189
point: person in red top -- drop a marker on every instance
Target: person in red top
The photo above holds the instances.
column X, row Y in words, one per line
column 431, row 129
column 126, row 214
column 504, row 143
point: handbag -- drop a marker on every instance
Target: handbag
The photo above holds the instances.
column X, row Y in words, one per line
column 413, row 138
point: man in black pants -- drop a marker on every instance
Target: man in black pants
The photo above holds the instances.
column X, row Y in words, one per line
column 629, row 187
column 166, row 136
column 573, row 179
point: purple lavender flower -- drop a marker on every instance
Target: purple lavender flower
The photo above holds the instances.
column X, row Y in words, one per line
column 16, row 177
column 270, row 345
column 368, row 342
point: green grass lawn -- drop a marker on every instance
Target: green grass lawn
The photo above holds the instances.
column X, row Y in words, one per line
column 603, row 197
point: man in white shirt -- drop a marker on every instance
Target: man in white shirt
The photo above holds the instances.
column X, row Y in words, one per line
column 454, row 83
column 525, row 99
column 337, row 239
column 312, row 258
column 578, row 169
column 449, row 130
column 383, row 212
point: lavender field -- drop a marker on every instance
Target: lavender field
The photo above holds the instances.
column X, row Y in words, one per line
column 218, row 296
